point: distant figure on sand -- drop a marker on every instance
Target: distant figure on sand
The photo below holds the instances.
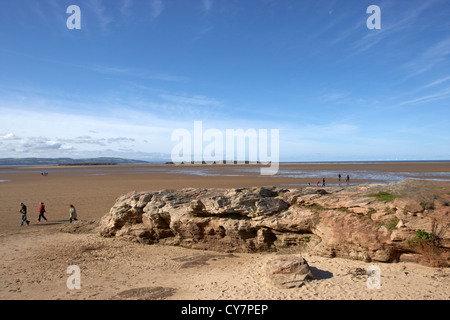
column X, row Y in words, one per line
column 23, row 211
column 73, row 213
column 323, row 182
column 348, row 179
column 317, row 183
column 41, row 212
column 339, row 177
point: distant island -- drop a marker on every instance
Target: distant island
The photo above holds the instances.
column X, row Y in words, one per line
column 66, row 161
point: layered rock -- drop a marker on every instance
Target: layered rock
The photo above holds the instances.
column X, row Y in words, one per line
column 334, row 221
column 288, row 271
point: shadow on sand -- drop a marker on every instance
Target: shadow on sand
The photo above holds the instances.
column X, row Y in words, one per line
column 50, row 223
column 321, row 274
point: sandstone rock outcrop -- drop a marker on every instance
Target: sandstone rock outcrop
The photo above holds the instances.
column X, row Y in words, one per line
column 346, row 222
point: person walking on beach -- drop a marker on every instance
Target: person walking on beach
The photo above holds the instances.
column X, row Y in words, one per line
column 41, row 212
column 73, row 213
column 317, row 183
column 348, row 179
column 323, row 182
column 339, row 177
column 23, row 211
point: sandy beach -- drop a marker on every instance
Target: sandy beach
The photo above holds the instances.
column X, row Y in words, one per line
column 34, row 259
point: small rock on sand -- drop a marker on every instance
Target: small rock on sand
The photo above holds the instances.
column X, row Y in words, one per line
column 289, row 271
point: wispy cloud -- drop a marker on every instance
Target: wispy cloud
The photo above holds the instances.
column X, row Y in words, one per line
column 444, row 94
column 88, row 140
column 207, row 5
column 333, row 97
column 403, row 20
column 99, row 10
column 157, row 7
column 197, row 100
column 429, row 58
column 125, row 7
column 435, row 83
column 316, row 132
column 204, row 32
column 129, row 72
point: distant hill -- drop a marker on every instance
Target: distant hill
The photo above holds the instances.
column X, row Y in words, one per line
column 66, row 161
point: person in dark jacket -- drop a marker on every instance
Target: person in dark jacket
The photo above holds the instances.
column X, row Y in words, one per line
column 23, row 211
column 73, row 213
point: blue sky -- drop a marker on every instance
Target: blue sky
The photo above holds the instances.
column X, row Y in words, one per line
column 139, row 69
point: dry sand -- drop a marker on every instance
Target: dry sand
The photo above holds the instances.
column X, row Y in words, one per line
column 34, row 259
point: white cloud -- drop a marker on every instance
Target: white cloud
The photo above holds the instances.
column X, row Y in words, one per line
column 85, row 140
column 120, row 140
column 37, row 145
column 73, row 134
column 9, row 136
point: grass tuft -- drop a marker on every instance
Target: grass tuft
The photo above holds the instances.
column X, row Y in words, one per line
column 384, row 196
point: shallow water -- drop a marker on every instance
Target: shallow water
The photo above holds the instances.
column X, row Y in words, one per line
column 386, row 177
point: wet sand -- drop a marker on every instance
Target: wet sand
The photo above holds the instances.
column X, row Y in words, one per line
column 34, row 259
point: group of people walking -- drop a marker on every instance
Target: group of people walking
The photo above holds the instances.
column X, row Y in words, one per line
column 339, row 177
column 42, row 211
column 346, row 180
